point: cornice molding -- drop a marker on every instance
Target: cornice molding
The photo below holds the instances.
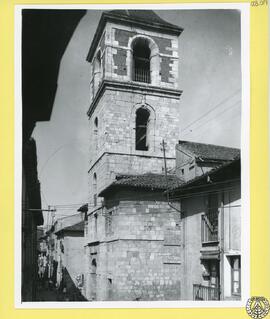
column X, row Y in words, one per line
column 131, row 87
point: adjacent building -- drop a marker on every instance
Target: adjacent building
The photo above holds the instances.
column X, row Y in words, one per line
column 31, row 219
column 43, row 32
column 211, row 221
column 69, row 254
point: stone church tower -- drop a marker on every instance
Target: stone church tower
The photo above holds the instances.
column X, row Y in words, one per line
column 133, row 235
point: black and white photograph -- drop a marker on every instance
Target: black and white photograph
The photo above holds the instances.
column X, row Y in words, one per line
column 133, row 150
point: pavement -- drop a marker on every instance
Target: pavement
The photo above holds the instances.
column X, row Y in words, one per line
column 47, row 292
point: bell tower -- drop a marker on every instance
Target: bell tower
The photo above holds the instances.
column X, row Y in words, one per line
column 134, row 97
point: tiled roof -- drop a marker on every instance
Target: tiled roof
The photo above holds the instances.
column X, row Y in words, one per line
column 146, row 16
column 209, row 151
column 146, row 181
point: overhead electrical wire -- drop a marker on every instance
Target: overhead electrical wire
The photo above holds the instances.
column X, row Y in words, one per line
column 211, row 110
column 220, row 113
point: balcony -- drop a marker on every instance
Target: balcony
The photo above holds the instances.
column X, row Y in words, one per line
column 209, row 228
column 205, row 293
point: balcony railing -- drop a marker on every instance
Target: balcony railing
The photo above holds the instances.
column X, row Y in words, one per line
column 201, row 292
column 141, row 70
column 209, row 228
column 142, row 75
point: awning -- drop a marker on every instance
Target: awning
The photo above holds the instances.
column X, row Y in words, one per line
column 214, row 254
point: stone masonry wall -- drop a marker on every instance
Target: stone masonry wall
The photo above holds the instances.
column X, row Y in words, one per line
column 110, row 165
column 139, row 251
column 116, row 55
column 120, row 38
column 116, row 114
column 141, row 273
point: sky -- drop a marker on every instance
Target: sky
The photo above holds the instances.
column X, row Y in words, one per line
column 209, row 108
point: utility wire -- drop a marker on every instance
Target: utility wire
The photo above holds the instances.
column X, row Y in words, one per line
column 230, row 121
column 220, row 113
column 176, row 197
column 211, row 110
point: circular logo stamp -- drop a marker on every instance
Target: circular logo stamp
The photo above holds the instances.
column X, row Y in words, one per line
column 257, row 307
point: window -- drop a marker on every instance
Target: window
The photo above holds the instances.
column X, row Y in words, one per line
column 210, row 220
column 93, row 279
column 95, row 221
column 214, row 273
column 96, row 133
column 142, row 129
column 212, row 213
column 141, row 60
column 97, row 68
column 93, row 266
column 95, row 189
column 97, row 72
column 110, row 291
column 108, row 223
column 96, row 123
column 236, row 275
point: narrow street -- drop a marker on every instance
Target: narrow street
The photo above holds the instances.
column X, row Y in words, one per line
column 47, row 292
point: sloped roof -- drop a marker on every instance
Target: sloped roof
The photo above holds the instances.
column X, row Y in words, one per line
column 146, row 16
column 145, row 181
column 209, row 151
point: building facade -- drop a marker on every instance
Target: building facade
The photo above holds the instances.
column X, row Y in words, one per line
column 41, row 31
column 69, row 254
column 31, row 199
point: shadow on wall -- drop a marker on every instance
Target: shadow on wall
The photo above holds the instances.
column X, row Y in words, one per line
column 73, row 293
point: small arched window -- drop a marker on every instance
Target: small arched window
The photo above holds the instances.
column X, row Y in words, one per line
column 96, row 133
column 141, row 60
column 94, row 266
column 142, row 129
column 97, row 71
column 95, row 189
column 96, row 124
column 98, row 62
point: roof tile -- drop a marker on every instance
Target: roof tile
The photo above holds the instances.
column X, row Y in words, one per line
column 152, row 181
column 145, row 181
column 209, row 151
